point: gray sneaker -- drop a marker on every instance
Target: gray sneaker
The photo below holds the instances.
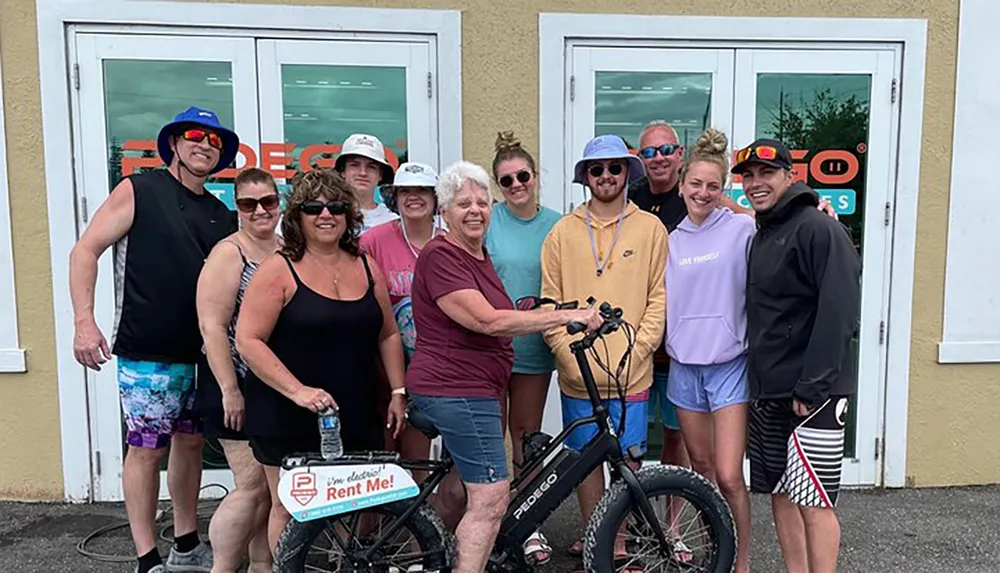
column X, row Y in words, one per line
column 157, row 569
column 197, row 560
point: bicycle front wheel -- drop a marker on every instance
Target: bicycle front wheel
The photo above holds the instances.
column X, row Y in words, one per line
column 692, row 513
column 423, row 543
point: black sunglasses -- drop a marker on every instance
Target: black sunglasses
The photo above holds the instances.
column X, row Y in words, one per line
column 522, row 176
column 249, row 204
column 615, row 169
column 316, row 207
column 664, row 150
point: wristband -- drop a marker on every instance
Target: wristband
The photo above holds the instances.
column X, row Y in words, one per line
column 399, row 391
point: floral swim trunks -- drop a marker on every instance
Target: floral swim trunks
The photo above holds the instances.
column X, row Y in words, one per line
column 157, row 401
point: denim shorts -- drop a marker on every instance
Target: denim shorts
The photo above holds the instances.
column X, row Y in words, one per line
column 574, row 409
column 711, row 387
column 472, row 432
column 658, row 397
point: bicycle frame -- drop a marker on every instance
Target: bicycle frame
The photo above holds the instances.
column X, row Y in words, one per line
column 555, row 481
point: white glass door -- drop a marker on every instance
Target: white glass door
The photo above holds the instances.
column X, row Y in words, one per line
column 620, row 90
column 129, row 87
column 314, row 94
column 834, row 109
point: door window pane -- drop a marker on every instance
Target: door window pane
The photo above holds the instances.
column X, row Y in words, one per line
column 627, row 101
column 823, row 118
column 322, row 105
column 140, row 97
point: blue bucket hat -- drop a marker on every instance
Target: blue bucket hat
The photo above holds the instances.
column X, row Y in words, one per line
column 608, row 147
column 205, row 118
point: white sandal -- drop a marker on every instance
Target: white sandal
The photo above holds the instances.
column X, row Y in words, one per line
column 535, row 544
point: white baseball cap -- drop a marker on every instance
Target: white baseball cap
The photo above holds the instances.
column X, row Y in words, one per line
column 414, row 174
column 366, row 146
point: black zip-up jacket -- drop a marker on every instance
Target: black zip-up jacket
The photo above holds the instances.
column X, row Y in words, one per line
column 803, row 302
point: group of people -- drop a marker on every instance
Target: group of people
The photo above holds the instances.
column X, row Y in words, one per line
column 227, row 328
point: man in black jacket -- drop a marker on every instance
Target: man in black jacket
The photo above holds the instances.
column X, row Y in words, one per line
column 803, row 301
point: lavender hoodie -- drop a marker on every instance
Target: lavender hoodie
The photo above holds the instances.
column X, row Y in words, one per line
column 706, row 288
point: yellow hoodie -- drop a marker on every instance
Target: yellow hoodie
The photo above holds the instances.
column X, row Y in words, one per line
column 633, row 279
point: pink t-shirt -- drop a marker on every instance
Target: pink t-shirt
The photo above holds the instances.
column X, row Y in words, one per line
column 387, row 245
column 452, row 360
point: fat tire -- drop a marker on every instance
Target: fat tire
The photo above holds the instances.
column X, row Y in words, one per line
column 425, row 525
column 616, row 503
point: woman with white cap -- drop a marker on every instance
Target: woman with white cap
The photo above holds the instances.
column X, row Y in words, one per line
column 363, row 164
column 395, row 246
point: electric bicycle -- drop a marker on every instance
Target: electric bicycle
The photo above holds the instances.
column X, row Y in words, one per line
column 376, row 519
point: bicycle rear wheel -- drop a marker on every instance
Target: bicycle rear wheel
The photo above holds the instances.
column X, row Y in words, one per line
column 328, row 544
column 691, row 511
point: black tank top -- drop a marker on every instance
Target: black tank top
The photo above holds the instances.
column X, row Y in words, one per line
column 325, row 343
column 157, row 266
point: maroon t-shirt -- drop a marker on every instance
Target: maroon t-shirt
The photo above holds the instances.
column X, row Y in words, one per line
column 450, row 359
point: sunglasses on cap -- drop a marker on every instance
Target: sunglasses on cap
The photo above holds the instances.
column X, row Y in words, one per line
column 614, row 169
column 522, row 177
column 199, row 135
column 315, row 207
column 765, row 152
column 665, row 150
column 249, row 204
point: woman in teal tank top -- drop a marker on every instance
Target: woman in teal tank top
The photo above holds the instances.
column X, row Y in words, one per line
column 514, row 239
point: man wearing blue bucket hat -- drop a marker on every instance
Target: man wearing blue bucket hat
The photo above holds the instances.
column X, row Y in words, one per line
column 610, row 249
column 162, row 225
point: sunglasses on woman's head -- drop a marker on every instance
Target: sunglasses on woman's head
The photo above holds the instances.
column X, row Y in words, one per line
column 665, row 150
column 522, row 176
column 249, row 204
column 615, row 169
column 315, row 207
column 198, row 135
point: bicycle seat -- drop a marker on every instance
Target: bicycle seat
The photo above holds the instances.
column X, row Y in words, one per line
column 420, row 421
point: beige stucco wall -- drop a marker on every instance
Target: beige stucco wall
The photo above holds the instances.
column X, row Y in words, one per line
column 30, row 451
column 951, row 408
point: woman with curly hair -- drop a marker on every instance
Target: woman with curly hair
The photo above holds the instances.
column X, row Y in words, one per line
column 315, row 319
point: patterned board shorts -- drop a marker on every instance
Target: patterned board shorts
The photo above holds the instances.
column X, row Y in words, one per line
column 800, row 457
column 157, row 401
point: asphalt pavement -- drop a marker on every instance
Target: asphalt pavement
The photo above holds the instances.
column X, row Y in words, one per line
column 954, row 530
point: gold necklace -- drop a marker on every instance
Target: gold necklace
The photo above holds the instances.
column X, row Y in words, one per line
column 330, row 275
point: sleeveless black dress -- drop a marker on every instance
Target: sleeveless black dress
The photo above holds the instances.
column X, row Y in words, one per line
column 329, row 344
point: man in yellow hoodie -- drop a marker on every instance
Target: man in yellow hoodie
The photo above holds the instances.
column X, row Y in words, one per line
column 609, row 249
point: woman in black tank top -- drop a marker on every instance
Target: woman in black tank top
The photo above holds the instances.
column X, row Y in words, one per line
column 314, row 321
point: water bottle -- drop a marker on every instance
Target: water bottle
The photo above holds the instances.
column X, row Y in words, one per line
column 330, row 445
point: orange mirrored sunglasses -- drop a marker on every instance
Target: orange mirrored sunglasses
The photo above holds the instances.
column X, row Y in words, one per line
column 765, row 152
column 197, row 135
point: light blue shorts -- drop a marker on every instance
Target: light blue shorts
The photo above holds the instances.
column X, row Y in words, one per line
column 658, row 397
column 708, row 388
column 574, row 409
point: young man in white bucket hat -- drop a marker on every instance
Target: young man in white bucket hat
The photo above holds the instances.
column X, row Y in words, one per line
column 610, row 249
column 363, row 164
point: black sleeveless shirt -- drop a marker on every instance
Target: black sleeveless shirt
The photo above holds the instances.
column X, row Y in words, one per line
column 329, row 344
column 157, row 264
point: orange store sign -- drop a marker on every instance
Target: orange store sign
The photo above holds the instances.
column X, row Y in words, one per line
column 275, row 158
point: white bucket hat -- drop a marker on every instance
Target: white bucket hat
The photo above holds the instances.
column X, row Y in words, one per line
column 410, row 174
column 414, row 174
column 366, row 146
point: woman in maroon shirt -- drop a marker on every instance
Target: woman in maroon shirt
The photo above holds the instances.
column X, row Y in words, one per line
column 465, row 322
